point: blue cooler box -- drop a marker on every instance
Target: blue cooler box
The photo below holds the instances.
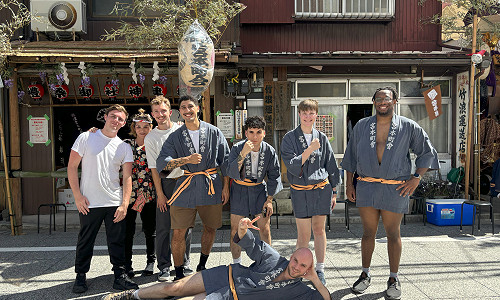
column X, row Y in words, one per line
column 444, row 212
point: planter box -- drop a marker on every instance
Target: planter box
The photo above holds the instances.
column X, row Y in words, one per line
column 444, row 212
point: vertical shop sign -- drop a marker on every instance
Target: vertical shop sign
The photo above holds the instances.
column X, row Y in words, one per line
column 462, row 114
column 269, row 111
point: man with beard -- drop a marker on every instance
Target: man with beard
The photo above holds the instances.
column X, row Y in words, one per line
column 199, row 149
column 271, row 276
column 378, row 152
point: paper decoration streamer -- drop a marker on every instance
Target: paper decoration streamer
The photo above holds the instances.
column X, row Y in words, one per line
column 156, row 71
column 196, row 61
column 65, row 73
column 132, row 70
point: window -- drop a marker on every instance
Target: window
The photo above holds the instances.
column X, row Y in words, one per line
column 413, row 88
column 437, row 129
column 330, row 89
column 345, row 9
column 366, row 89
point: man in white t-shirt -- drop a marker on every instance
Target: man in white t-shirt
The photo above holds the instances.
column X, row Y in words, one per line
column 99, row 197
column 164, row 183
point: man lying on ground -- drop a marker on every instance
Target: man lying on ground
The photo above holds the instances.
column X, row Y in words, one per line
column 271, row 276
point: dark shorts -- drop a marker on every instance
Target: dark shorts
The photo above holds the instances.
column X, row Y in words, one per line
column 244, row 204
column 216, row 281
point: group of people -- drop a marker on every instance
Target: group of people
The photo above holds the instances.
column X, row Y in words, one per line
column 173, row 172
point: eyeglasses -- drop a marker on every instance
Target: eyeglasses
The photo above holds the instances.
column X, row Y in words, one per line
column 380, row 100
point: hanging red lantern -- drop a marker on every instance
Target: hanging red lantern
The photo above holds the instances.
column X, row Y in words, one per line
column 111, row 90
column 159, row 89
column 61, row 91
column 135, row 90
column 36, row 91
column 86, row 91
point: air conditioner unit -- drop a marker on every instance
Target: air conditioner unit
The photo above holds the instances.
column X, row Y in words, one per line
column 69, row 15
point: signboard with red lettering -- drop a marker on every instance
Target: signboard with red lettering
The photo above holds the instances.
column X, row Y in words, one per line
column 39, row 130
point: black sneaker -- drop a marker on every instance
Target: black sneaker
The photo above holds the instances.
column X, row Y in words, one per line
column 80, row 285
column 149, row 269
column 363, row 282
column 200, row 268
column 130, row 273
column 125, row 295
column 123, row 283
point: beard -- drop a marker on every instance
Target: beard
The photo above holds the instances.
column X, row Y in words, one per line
column 388, row 112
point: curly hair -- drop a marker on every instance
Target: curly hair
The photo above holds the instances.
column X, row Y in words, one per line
column 395, row 95
column 254, row 122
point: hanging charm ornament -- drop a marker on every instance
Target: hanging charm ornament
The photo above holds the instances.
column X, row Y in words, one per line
column 159, row 89
column 61, row 91
column 196, row 61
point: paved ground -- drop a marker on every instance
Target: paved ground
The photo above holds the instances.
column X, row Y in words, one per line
column 437, row 262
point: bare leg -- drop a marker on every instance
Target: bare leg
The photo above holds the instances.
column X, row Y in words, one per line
column 392, row 222
column 235, row 249
column 188, row 286
column 264, row 225
column 318, row 228
column 303, row 232
column 178, row 246
column 369, row 218
column 207, row 239
column 200, row 296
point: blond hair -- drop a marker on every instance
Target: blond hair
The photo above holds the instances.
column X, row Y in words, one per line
column 159, row 100
column 117, row 107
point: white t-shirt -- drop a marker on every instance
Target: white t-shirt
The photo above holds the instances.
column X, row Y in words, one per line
column 308, row 137
column 195, row 137
column 154, row 142
column 102, row 158
column 255, row 160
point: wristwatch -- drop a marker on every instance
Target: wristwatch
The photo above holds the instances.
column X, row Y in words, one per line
column 416, row 175
column 335, row 192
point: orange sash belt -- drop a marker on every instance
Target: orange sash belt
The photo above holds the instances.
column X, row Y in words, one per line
column 310, row 187
column 380, row 180
column 231, row 283
column 246, row 182
column 187, row 182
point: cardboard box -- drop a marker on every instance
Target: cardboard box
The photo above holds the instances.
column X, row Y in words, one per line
column 443, row 212
column 65, row 196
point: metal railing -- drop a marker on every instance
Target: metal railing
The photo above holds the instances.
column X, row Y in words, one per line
column 345, row 9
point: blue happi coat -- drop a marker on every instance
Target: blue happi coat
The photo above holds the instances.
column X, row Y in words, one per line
column 361, row 157
column 268, row 165
column 319, row 166
column 256, row 281
column 214, row 151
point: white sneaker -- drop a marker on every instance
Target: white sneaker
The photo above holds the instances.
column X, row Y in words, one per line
column 164, row 275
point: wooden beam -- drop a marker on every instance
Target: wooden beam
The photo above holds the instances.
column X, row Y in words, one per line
column 15, row 153
column 206, row 105
column 282, row 73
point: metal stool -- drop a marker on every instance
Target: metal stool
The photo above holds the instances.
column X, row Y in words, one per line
column 52, row 207
column 275, row 213
column 477, row 204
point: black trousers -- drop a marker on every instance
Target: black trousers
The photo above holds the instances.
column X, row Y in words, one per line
column 115, row 236
column 148, row 217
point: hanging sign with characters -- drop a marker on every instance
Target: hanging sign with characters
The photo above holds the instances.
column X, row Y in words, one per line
column 36, row 91
column 86, row 91
column 196, row 61
column 135, row 90
column 433, row 102
column 111, row 90
column 159, row 89
column 61, row 91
